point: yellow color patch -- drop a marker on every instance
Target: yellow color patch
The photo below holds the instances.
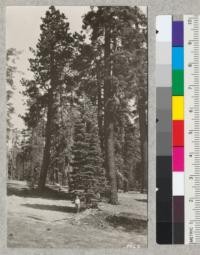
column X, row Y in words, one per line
column 177, row 107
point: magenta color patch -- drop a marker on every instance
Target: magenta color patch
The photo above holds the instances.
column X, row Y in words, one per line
column 178, row 159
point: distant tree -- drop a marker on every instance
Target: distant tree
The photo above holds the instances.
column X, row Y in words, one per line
column 12, row 153
column 11, row 70
column 127, row 151
column 35, row 149
column 131, row 155
column 24, row 156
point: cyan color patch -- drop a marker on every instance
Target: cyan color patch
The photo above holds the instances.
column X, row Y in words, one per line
column 177, row 58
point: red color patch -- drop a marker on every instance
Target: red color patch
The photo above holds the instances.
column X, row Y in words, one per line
column 178, row 132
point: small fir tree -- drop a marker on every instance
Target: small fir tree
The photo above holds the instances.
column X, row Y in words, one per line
column 79, row 151
column 94, row 163
column 88, row 173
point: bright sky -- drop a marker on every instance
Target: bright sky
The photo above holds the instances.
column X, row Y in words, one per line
column 22, row 32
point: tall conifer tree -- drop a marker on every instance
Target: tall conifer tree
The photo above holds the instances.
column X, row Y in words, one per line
column 50, row 66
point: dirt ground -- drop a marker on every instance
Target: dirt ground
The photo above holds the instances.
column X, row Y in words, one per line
column 51, row 221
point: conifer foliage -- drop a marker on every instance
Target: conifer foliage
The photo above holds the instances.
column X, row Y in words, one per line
column 79, row 151
column 88, row 173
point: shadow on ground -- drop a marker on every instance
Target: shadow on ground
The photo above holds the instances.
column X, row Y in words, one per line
column 123, row 221
column 48, row 193
column 127, row 222
column 141, row 200
column 52, row 207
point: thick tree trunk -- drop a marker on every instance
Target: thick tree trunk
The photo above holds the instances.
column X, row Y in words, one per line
column 100, row 111
column 50, row 115
column 111, row 162
column 47, row 148
column 109, row 121
column 143, row 140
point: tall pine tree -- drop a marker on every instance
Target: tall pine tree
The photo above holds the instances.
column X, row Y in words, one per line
column 51, row 69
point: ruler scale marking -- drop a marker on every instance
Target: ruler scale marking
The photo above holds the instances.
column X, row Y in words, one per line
column 192, row 187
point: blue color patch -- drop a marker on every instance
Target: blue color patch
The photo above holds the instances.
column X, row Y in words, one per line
column 177, row 58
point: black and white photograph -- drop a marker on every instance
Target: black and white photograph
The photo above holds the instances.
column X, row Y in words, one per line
column 77, row 126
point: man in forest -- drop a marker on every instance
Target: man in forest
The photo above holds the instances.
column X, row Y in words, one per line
column 77, row 204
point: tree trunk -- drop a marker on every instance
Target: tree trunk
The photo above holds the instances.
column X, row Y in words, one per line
column 125, row 186
column 143, row 139
column 110, row 157
column 46, row 155
column 109, row 121
column 50, row 115
column 100, row 111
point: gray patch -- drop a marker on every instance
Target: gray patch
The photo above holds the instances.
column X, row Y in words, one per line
column 164, row 120
column 163, row 144
column 163, row 76
column 163, row 98
column 163, row 53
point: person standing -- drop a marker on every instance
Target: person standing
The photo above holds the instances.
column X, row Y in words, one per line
column 77, row 204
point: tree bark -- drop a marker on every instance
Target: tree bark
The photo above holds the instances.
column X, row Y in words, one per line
column 100, row 110
column 47, row 148
column 109, row 121
column 50, row 115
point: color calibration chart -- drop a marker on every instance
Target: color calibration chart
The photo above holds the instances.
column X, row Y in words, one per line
column 178, row 129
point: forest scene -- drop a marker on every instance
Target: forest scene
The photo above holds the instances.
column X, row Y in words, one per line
column 77, row 164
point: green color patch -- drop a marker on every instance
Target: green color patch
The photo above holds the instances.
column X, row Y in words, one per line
column 177, row 83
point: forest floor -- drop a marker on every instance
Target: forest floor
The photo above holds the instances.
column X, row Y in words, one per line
column 50, row 221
